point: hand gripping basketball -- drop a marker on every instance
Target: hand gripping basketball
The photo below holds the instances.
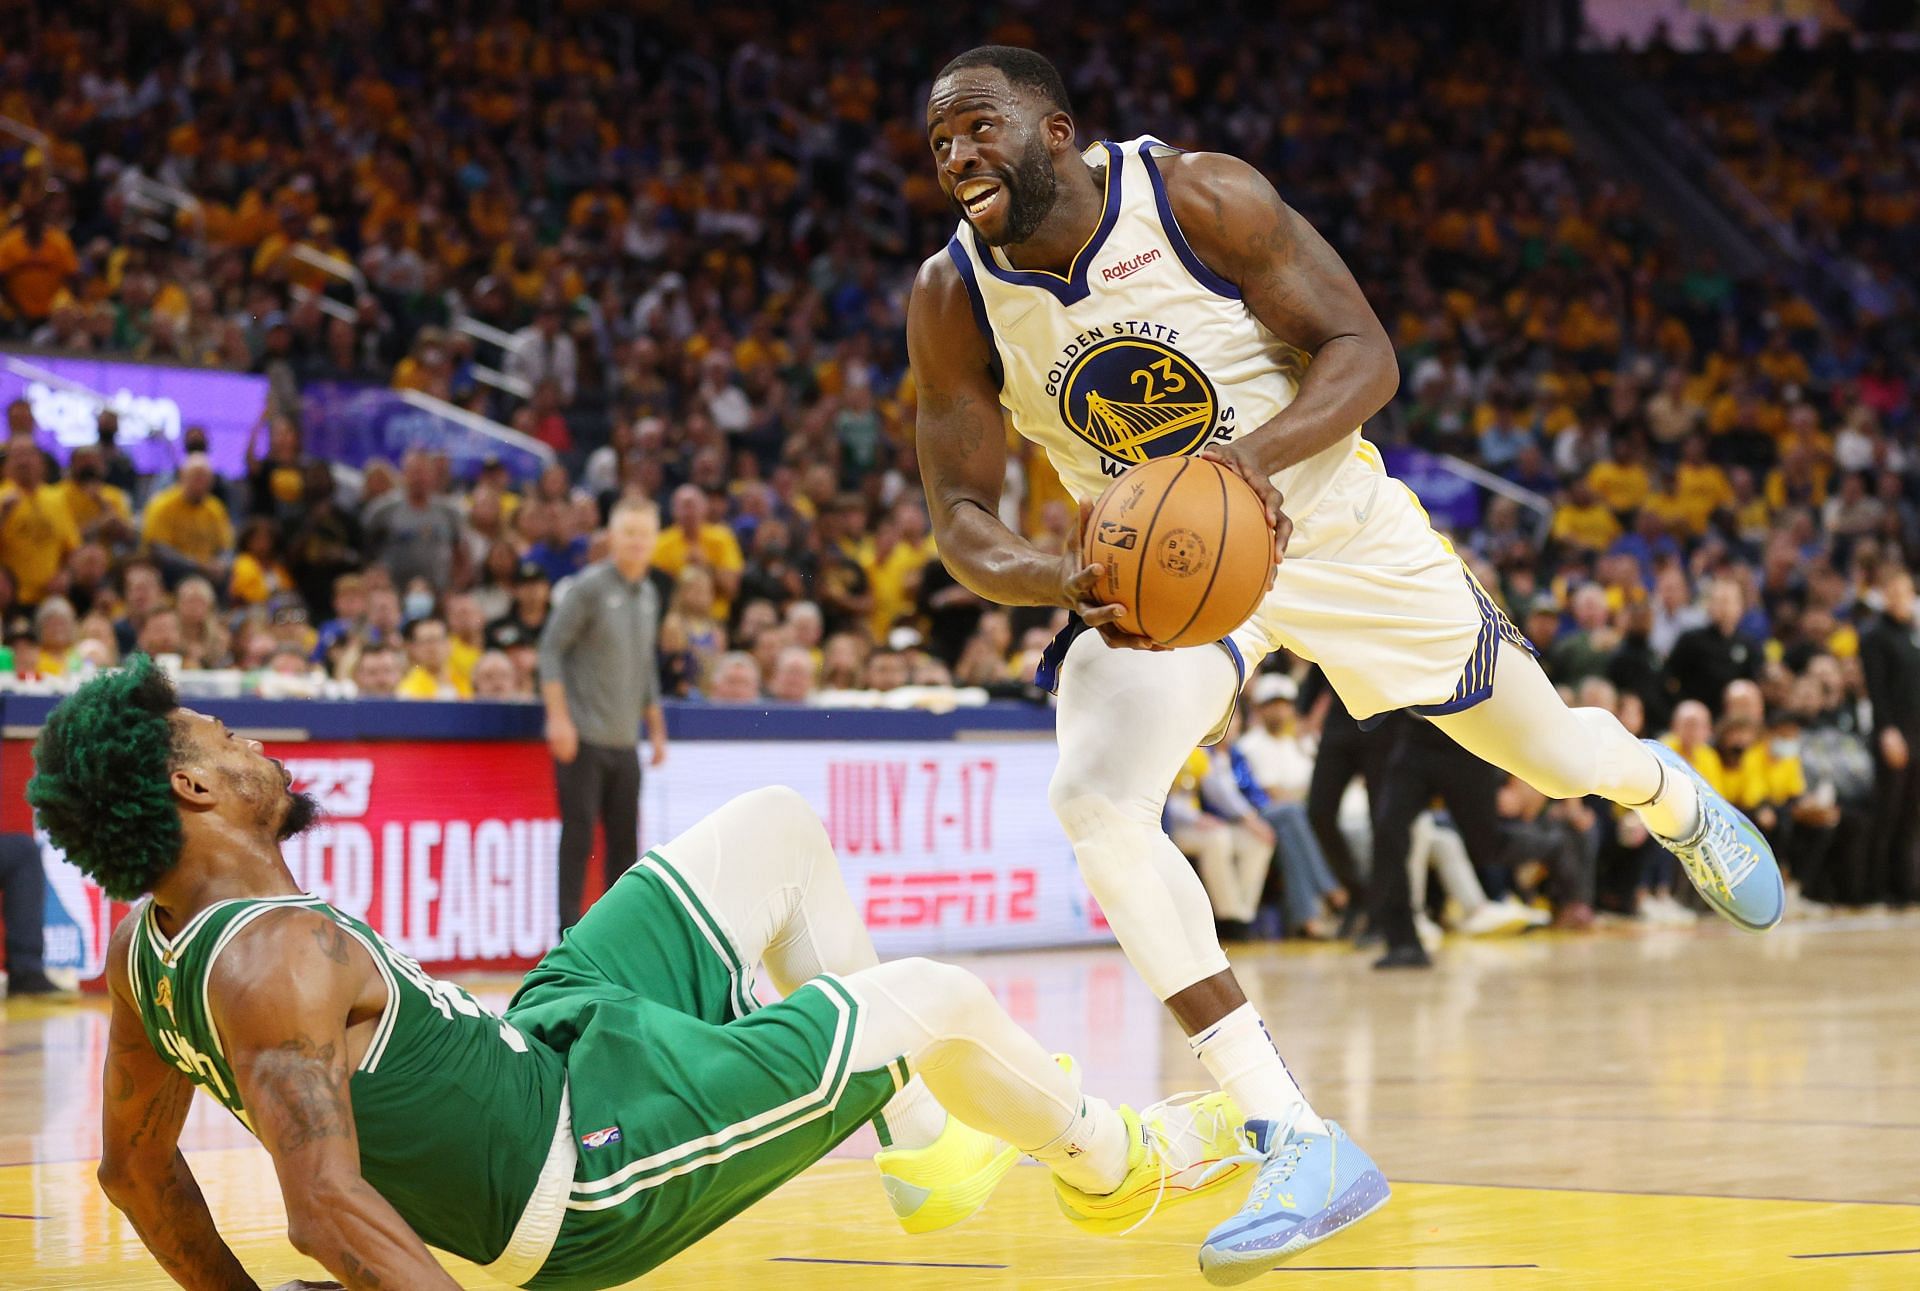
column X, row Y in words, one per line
column 1080, row 581
column 1185, row 546
column 1233, row 457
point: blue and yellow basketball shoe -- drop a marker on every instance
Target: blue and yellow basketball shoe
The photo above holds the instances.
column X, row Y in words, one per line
column 1310, row 1186
column 939, row 1185
column 1728, row 859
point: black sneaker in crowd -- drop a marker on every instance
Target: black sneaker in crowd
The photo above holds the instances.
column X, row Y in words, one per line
column 1414, row 956
column 34, row 984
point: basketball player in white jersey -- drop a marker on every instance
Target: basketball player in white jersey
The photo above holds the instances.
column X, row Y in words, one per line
column 1131, row 301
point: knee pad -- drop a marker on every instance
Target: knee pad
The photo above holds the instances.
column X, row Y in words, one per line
column 1094, row 818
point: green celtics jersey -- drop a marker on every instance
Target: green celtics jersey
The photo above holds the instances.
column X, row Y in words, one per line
column 457, row 1111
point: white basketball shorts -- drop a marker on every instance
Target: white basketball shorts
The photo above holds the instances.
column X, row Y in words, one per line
column 1372, row 594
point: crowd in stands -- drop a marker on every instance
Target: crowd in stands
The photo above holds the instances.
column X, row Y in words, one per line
column 1819, row 137
column 698, row 232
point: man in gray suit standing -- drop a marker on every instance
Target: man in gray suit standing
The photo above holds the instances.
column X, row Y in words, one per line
column 600, row 680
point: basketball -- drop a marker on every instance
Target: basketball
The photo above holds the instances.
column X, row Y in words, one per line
column 1186, row 549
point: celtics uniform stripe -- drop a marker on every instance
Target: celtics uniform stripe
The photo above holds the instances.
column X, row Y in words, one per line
column 739, row 978
column 711, row 1149
column 170, row 951
column 233, row 929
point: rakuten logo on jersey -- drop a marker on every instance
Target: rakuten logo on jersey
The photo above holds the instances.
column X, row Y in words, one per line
column 944, row 898
column 1130, row 266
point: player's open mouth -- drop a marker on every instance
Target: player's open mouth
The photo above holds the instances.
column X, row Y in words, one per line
column 977, row 196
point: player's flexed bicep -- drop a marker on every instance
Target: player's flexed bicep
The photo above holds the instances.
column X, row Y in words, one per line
column 1302, row 292
column 283, row 996
column 961, row 444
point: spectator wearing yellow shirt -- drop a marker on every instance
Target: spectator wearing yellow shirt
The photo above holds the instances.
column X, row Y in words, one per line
column 1799, row 481
column 1582, row 521
column 99, row 511
column 1699, row 486
column 258, row 573
column 1755, row 778
column 1692, row 739
column 692, row 540
column 1752, row 516
column 1622, row 481
column 186, row 528
column 57, row 629
column 901, row 548
column 1670, row 414
column 466, row 636
column 37, row 262
column 1668, row 508
column 1780, row 363
column 36, row 533
column 431, row 676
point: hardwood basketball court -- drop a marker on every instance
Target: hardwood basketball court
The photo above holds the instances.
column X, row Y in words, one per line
column 1659, row 1109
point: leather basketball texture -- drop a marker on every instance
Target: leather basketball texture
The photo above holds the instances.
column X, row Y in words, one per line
column 1185, row 546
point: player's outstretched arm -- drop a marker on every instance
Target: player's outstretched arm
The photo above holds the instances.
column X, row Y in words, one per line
column 144, row 1103
column 282, row 996
column 1300, row 289
column 962, row 446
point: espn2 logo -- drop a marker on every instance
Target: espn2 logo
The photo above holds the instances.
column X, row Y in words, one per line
column 943, row 897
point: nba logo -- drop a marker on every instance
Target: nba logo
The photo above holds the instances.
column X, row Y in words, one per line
column 600, row 1138
column 79, row 916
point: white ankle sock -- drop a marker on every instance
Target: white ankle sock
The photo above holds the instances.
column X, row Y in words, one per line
column 1675, row 809
column 911, row 1118
column 1091, row 1153
column 1239, row 1053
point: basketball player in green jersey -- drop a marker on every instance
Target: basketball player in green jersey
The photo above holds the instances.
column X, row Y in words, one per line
column 633, row 1096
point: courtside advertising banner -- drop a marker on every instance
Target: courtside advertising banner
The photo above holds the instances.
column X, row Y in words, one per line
column 945, row 846
column 156, row 404
column 447, row 849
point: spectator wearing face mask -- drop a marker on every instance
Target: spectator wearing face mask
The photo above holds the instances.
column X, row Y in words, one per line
column 418, row 601
column 100, row 512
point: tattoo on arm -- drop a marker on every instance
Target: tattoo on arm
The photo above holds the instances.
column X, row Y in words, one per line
column 333, row 942
column 165, row 1109
column 308, row 1088
column 955, row 415
column 362, row 1277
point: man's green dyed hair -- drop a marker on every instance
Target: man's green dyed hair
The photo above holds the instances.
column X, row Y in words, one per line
column 101, row 781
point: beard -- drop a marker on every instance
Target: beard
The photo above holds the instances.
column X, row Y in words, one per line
column 1031, row 188
column 302, row 810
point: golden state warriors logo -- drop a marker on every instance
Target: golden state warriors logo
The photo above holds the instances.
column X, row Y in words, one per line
column 1136, row 399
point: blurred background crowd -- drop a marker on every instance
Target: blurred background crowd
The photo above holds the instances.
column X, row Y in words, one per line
column 687, row 241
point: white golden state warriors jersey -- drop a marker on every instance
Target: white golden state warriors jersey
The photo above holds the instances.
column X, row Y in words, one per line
column 1139, row 351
